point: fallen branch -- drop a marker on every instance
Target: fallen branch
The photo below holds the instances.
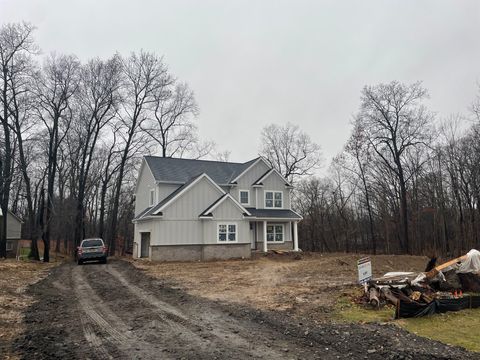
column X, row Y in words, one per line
column 389, row 296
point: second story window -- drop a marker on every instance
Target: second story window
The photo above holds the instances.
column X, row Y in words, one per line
column 152, row 197
column 244, row 197
column 273, row 199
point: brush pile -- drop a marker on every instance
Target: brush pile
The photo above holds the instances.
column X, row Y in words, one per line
column 447, row 287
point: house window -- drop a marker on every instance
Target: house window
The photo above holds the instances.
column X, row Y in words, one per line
column 152, row 197
column 227, row 233
column 244, row 197
column 9, row 245
column 275, row 233
column 273, row 199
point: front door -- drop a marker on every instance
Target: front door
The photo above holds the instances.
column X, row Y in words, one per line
column 145, row 245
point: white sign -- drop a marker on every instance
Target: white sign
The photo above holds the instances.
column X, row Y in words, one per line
column 364, row 270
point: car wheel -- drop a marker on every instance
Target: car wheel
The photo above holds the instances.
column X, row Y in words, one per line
column 79, row 262
column 104, row 261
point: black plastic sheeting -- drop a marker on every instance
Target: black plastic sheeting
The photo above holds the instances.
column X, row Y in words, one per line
column 415, row 309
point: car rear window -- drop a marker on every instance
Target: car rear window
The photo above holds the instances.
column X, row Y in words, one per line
column 91, row 243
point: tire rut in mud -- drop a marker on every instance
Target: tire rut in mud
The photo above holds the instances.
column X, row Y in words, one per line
column 115, row 311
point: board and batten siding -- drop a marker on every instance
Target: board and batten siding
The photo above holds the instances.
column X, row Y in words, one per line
column 14, row 228
column 226, row 212
column 163, row 190
column 146, row 182
column 193, row 202
column 178, row 232
column 246, row 181
column 180, row 223
column 273, row 182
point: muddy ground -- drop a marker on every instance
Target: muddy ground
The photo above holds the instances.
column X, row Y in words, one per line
column 306, row 284
column 116, row 311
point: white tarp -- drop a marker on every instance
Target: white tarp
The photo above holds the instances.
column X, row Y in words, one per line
column 471, row 264
column 398, row 273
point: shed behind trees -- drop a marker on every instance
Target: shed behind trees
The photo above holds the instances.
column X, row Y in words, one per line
column 14, row 232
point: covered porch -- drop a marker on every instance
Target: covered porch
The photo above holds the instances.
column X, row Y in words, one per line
column 274, row 229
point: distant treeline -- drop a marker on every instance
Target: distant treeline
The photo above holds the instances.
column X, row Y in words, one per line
column 71, row 134
column 406, row 182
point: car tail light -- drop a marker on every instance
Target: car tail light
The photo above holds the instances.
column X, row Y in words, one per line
column 79, row 250
column 105, row 249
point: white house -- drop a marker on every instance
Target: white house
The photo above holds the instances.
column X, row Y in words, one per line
column 14, row 232
column 199, row 210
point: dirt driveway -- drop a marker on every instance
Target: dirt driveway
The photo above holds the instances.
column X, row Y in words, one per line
column 115, row 311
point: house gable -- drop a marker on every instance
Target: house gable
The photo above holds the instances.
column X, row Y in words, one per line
column 246, row 180
column 192, row 199
column 274, row 182
column 228, row 210
column 145, row 183
column 259, row 166
column 225, row 207
column 269, row 173
column 14, row 226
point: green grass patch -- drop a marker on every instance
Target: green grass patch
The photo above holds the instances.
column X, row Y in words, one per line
column 24, row 252
column 461, row 328
column 347, row 310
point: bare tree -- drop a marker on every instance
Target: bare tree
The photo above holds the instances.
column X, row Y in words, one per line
column 55, row 87
column 16, row 43
column 290, row 150
column 395, row 122
column 98, row 98
column 357, row 148
column 144, row 75
column 171, row 126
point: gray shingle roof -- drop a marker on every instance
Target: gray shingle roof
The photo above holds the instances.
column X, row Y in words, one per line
column 182, row 170
column 274, row 213
column 142, row 213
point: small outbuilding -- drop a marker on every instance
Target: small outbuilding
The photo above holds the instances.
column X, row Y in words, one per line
column 14, row 232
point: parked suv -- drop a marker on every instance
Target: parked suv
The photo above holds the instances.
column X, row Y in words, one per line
column 92, row 249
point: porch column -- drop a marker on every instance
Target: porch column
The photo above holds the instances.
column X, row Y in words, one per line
column 265, row 236
column 295, row 236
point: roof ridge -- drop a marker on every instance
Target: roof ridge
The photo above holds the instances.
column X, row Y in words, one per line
column 181, row 170
column 200, row 160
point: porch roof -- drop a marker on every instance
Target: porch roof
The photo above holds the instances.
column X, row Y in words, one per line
column 274, row 214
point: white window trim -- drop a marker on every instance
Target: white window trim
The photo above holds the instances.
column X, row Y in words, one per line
column 152, row 198
column 283, row 233
column 227, row 224
column 265, row 199
column 240, row 198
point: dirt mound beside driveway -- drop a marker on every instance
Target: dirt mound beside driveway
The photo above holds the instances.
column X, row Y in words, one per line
column 115, row 311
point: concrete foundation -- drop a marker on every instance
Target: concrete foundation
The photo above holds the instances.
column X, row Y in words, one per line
column 200, row 252
column 287, row 245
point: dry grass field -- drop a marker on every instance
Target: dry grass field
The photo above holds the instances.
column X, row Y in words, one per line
column 15, row 277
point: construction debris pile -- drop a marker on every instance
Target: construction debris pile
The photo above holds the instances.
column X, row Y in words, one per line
column 452, row 286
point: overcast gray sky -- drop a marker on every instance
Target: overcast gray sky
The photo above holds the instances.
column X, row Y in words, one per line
column 252, row 63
